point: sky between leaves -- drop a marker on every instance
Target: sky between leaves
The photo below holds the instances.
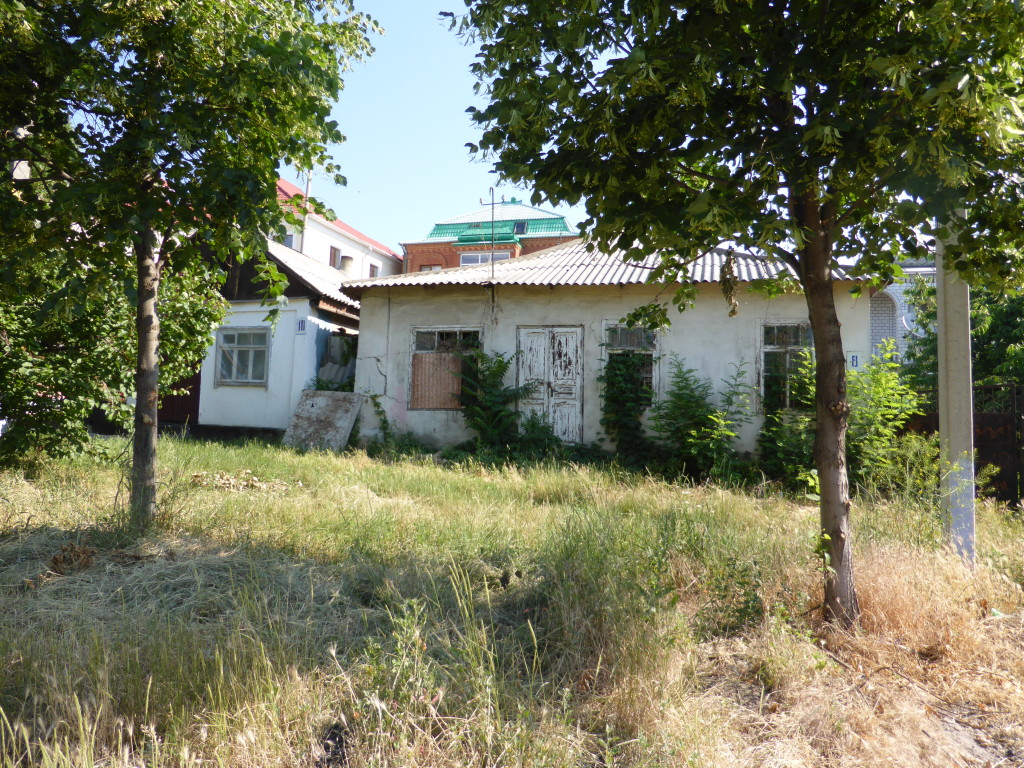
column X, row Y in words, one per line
column 403, row 112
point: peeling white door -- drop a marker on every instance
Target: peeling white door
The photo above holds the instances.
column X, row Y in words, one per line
column 553, row 358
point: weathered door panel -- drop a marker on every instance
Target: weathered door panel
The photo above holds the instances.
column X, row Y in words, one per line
column 553, row 358
column 532, row 367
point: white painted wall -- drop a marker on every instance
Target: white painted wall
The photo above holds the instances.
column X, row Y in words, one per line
column 320, row 235
column 705, row 336
column 292, row 363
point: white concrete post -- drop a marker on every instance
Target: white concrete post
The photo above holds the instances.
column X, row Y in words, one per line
column 20, row 168
column 956, row 405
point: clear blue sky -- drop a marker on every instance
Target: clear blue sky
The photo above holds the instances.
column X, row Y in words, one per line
column 403, row 112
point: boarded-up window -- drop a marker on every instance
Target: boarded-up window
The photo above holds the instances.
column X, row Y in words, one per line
column 436, row 365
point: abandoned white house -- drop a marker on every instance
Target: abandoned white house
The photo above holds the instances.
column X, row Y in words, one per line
column 560, row 312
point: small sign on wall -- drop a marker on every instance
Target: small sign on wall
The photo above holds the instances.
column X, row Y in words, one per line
column 855, row 360
column 300, row 326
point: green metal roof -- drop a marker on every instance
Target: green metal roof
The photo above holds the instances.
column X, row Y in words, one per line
column 475, row 227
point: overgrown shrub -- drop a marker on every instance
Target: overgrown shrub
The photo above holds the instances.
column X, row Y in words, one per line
column 489, row 408
column 697, row 433
column 881, row 403
column 488, row 405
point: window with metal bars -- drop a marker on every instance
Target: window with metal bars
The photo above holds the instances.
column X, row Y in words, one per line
column 783, row 346
column 639, row 344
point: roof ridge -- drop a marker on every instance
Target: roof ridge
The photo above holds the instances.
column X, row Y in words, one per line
column 289, row 190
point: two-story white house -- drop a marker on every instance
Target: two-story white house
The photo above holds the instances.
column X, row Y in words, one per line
column 254, row 373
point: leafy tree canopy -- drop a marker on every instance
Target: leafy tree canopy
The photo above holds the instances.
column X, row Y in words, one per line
column 804, row 131
column 684, row 126
column 153, row 131
column 997, row 338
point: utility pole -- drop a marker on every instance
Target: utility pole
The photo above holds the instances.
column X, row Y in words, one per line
column 305, row 216
column 956, row 404
column 20, row 169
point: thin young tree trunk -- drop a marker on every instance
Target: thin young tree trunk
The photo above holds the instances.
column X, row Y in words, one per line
column 147, row 379
column 832, row 409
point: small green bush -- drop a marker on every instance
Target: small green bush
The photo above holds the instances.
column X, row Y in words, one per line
column 881, row 404
column 697, row 434
column 488, row 405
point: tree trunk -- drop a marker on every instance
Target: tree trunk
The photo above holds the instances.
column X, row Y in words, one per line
column 832, row 409
column 147, row 381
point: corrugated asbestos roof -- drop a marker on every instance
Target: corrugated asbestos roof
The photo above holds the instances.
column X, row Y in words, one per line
column 571, row 264
column 323, row 279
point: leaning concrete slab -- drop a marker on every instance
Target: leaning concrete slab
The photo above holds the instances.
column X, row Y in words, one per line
column 323, row 420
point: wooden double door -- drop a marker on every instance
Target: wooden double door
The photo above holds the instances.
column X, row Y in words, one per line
column 552, row 358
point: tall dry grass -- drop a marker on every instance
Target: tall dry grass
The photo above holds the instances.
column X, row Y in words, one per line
column 328, row 610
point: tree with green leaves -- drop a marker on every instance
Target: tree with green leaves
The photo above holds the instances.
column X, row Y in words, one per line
column 997, row 338
column 153, row 131
column 805, row 132
column 59, row 363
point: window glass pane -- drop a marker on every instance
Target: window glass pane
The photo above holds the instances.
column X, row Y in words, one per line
column 774, row 392
column 228, row 338
column 227, row 365
column 793, row 360
column 242, row 364
column 470, row 339
column 259, row 338
column 447, row 341
column 502, row 256
column 806, row 339
column 469, row 259
column 623, row 337
column 775, row 362
column 426, row 341
column 244, row 339
column 259, row 365
column 769, row 335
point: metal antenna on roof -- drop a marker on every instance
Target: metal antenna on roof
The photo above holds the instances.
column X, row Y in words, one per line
column 492, row 204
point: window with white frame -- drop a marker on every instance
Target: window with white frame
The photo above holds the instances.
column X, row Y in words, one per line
column 430, row 268
column 484, row 257
column 374, row 270
column 436, row 381
column 783, row 347
column 242, row 356
column 639, row 344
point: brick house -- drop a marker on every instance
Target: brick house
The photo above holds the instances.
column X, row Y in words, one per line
column 471, row 239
